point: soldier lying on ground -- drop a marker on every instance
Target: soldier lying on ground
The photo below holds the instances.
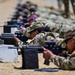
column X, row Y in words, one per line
column 63, row 62
column 39, row 39
column 30, row 34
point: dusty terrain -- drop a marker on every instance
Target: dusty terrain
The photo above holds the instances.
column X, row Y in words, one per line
column 7, row 8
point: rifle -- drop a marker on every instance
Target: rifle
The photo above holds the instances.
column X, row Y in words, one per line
column 50, row 44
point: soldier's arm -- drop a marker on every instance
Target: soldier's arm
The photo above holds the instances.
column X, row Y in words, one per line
column 38, row 40
column 62, row 62
column 19, row 42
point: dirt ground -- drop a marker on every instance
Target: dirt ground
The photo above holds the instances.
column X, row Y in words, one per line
column 7, row 8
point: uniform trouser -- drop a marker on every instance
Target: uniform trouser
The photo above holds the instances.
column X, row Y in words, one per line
column 60, row 3
column 73, row 5
column 66, row 7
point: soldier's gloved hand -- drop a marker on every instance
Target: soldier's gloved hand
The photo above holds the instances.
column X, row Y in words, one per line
column 47, row 54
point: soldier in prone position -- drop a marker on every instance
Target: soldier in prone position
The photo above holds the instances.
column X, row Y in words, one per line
column 32, row 35
column 67, row 59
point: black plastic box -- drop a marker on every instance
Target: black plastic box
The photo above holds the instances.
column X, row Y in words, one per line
column 9, row 28
column 29, row 58
column 8, row 38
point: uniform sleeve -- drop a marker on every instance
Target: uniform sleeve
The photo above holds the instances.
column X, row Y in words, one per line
column 18, row 42
column 62, row 62
column 38, row 40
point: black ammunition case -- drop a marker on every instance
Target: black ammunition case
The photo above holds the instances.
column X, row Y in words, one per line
column 29, row 58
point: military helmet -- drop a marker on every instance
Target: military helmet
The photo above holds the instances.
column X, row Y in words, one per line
column 63, row 44
column 33, row 28
column 35, row 25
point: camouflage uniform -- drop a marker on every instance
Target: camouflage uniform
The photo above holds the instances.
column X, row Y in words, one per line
column 66, row 7
column 39, row 39
column 64, row 63
column 38, row 23
column 56, row 24
column 73, row 5
column 66, row 29
column 59, row 4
